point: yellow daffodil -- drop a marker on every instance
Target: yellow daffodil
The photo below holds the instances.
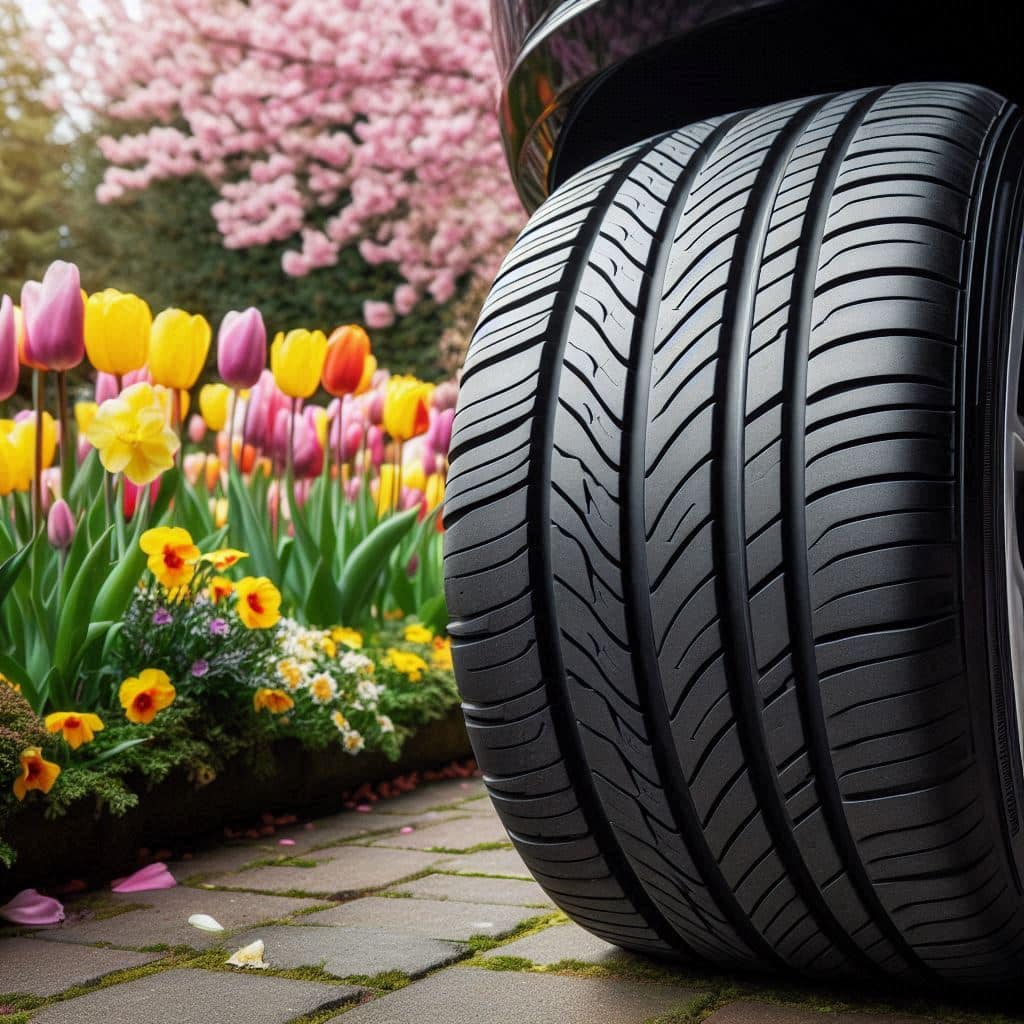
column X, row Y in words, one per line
column 410, row 665
column 145, row 695
column 178, row 346
column 407, row 407
column 172, row 555
column 85, row 413
column 117, row 329
column 220, row 588
column 131, row 434
column 417, row 634
column 351, row 638
column 297, row 360
column 36, row 773
column 76, row 728
column 277, row 702
column 259, row 602
column 213, row 405
column 224, row 558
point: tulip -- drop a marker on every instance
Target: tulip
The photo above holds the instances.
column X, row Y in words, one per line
column 375, row 445
column 439, row 433
column 242, row 348
column 106, row 387
column 374, row 406
column 297, row 361
column 30, row 292
column 308, row 453
column 348, row 444
column 407, row 407
column 55, row 318
column 347, row 352
column 60, row 525
column 178, row 346
column 196, row 429
column 8, row 349
column 117, row 330
column 213, row 404
column 445, row 396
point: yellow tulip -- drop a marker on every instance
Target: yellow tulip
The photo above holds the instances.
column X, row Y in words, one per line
column 178, row 346
column 213, row 404
column 434, row 490
column 131, row 434
column 9, row 469
column 297, row 361
column 117, row 329
column 387, row 489
column 407, row 407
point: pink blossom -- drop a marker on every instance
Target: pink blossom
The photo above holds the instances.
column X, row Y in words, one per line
column 31, row 908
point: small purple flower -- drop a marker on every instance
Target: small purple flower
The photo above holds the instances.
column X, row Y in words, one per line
column 218, row 627
column 200, row 668
column 162, row 617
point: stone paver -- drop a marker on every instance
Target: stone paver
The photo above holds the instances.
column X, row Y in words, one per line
column 489, row 862
column 227, row 858
column 165, row 921
column 760, row 1013
column 347, row 869
column 433, row 795
column 437, row 919
column 27, row 968
column 458, row 835
column 212, row 997
column 346, row 952
column 561, row 942
column 473, row 996
column 477, row 890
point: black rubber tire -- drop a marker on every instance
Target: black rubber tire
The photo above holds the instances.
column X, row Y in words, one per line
column 719, row 549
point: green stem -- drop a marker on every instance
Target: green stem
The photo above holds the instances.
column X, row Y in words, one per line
column 119, row 525
column 67, row 448
column 38, row 398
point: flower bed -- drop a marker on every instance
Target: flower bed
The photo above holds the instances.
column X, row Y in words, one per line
column 219, row 619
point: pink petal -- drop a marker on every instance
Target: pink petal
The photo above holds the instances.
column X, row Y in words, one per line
column 152, row 876
column 32, row 908
column 364, row 808
column 405, row 831
column 286, row 842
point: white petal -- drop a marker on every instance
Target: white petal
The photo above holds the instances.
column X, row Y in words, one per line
column 205, row 923
column 249, row 956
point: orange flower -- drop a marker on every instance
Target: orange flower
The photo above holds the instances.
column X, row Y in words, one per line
column 76, row 728
column 347, row 350
column 259, row 602
column 224, row 558
column 220, row 587
column 143, row 696
column 36, row 773
column 277, row 702
column 172, row 555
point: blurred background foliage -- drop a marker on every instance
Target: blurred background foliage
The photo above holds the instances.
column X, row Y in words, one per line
column 164, row 244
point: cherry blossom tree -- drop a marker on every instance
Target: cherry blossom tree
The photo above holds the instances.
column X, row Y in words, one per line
column 331, row 123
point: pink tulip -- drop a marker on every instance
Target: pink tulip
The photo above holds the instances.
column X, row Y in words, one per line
column 51, row 487
column 106, row 387
column 439, row 433
column 30, row 907
column 445, row 395
column 242, row 348
column 375, row 445
column 137, row 377
column 265, row 401
column 352, row 488
column 375, row 407
column 83, row 449
column 308, row 455
column 147, row 879
column 60, row 525
column 352, row 439
column 55, row 318
column 196, row 428
column 9, row 366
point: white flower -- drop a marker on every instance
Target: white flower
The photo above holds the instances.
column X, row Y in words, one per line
column 340, row 721
column 385, row 723
column 367, row 691
column 322, row 688
column 353, row 741
column 353, row 662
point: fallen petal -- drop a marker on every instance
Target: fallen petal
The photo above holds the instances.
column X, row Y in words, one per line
column 250, row 956
column 153, row 876
column 405, row 830
column 286, row 842
column 30, row 907
column 205, row 923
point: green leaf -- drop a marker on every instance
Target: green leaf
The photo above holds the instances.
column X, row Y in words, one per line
column 433, row 613
column 323, row 600
column 76, row 615
column 17, row 673
column 88, row 480
column 249, row 531
column 363, row 566
column 10, row 570
column 119, row 749
column 115, row 593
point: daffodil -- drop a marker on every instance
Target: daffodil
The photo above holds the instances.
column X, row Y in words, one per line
column 259, row 602
column 178, row 346
column 117, row 329
column 131, row 434
column 417, row 634
column 297, row 360
column 277, row 702
column 224, row 558
column 85, row 413
column 36, row 773
column 172, row 555
column 76, row 728
column 412, row 666
column 220, row 588
column 145, row 695
column 407, row 407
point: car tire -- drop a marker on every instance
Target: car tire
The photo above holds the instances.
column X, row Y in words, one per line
column 732, row 555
